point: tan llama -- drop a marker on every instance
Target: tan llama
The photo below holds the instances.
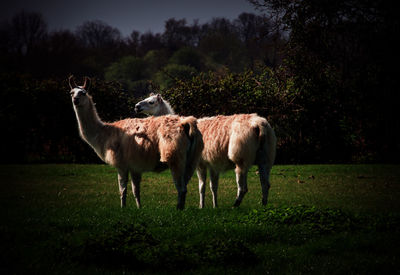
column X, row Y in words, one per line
column 138, row 145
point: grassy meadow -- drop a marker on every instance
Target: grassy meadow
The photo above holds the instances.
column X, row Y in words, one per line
column 339, row 219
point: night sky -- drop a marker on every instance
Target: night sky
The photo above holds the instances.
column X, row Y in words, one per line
column 126, row 15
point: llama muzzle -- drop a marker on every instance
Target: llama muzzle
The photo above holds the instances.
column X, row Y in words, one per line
column 138, row 108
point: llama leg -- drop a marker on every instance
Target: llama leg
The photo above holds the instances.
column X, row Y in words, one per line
column 180, row 187
column 182, row 190
column 214, row 176
column 122, row 181
column 202, row 175
column 183, row 195
column 264, row 172
column 241, row 181
column 136, row 178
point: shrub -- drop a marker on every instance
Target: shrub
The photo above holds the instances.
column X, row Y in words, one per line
column 126, row 71
column 188, row 57
column 167, row 77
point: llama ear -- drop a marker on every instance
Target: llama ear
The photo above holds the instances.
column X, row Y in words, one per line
column 86, row 84
column 159, row 98
column 73, row 84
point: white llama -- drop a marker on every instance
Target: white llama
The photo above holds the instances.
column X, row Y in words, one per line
column 230, row 142
column 138, row 145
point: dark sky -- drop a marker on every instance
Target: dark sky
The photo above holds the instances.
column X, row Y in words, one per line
column 140, row 15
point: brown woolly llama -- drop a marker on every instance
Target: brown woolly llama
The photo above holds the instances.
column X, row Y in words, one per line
column 231, row 142
column 138, row 145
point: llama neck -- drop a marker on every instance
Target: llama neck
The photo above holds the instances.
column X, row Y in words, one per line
column 90, row 125
column 165, row 109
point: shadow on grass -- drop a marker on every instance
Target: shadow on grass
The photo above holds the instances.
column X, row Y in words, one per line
column 131, row 246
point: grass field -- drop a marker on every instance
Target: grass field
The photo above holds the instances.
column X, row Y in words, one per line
column 339, row 219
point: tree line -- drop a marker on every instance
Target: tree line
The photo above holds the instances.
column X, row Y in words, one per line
column 320, row 71
column 98, row 49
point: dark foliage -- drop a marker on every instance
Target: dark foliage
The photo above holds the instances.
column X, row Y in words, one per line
column 343, row 54
column 40, row 122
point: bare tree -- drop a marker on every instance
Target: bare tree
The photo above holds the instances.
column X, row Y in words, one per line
column 178, row 34
column 149, row 41
column 133, row 42
column 27, row 31
column 97, row 34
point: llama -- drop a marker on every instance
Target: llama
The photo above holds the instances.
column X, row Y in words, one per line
column 232, row 142
column 138, row 145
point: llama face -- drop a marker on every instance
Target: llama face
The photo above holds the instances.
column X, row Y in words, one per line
column 79, row 96
column 148, row 106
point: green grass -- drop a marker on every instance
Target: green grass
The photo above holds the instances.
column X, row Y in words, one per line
column 336, row 219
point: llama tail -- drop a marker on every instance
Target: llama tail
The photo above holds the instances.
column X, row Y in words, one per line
column 267, row 140
column 195, row 147
column 271, row 145
column 189, row 125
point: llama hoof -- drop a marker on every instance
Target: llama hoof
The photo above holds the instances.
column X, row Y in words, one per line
column 236, row 204
column 264, row 202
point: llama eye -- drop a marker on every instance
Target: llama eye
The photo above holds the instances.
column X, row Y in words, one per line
column 151, row 102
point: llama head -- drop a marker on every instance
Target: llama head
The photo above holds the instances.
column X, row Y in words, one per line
column 79, row 94
column 149, row 105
